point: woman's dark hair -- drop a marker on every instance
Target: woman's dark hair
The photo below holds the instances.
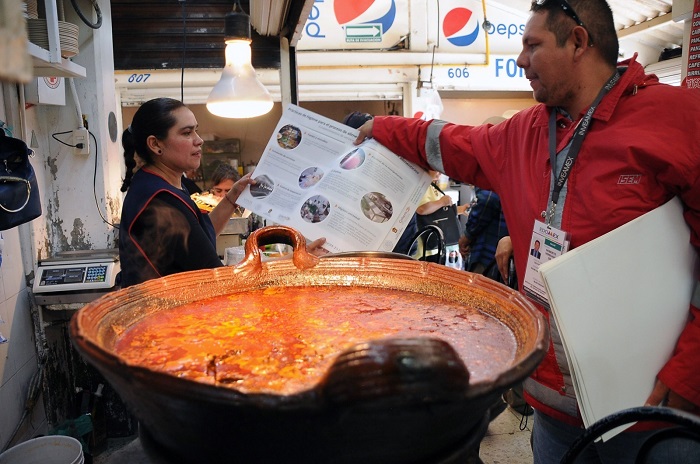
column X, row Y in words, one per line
column 155, row 117
column 597, row 17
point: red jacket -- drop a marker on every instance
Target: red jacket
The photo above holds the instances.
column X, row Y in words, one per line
column 642, row 149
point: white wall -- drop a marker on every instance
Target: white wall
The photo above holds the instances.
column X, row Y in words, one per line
column 71, row 220
column 18, row 359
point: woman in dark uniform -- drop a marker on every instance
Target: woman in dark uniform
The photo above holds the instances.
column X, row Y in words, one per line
column 162, row 231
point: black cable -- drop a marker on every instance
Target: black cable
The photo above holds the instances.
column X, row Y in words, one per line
column 61, row 141
column 95, row 25
column 94, row 184
column 184, row 52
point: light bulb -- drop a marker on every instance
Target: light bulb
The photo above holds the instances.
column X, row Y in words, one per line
column 239, row 93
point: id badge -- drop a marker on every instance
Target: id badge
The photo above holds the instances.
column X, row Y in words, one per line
column 546, row 243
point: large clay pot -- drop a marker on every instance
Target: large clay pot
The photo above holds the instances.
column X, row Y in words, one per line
column 407, row 400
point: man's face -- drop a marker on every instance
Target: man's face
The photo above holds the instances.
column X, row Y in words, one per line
column 547, row 66
column 537, row 246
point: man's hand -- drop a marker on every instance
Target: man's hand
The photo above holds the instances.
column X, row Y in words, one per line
column 365, row 132
column 661, row 395
column 504, row 250
column 464, row 246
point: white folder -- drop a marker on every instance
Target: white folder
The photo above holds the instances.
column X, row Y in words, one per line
column 620, row 303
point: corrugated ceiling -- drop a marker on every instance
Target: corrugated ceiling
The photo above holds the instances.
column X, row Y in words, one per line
column 647, row 22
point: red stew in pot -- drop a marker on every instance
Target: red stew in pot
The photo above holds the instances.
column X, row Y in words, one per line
column 282, row 340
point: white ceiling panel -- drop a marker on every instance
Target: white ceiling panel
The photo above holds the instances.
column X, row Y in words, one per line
column 633, row 17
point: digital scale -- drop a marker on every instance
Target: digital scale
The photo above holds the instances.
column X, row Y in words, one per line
column 76, row 276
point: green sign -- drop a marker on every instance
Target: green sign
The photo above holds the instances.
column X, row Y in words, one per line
column 363, row 33
column 551, row 244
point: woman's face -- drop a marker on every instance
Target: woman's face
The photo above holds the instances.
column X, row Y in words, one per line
column 181, row 150
column 222, row 188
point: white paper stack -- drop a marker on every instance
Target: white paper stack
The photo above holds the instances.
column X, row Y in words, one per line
column 620, row 302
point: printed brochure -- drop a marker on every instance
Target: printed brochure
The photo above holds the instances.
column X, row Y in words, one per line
column 312, row 178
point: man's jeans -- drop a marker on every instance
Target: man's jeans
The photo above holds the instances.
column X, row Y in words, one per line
column 551, row 439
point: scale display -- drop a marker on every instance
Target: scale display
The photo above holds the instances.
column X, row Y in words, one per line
column 73, row 275
column 77, row 273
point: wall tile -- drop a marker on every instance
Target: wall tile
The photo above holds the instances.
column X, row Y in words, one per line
column 3, row 266
column 13, row 396
column 6, row 368
column 11, row 268
column 11, row 405
column 22, row 347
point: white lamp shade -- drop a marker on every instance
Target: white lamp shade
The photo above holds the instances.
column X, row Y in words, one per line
column 239, row 93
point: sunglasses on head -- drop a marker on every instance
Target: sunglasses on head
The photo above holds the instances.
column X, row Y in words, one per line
column 569, row 12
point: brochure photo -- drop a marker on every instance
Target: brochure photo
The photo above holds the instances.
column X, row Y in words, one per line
column 312, row 178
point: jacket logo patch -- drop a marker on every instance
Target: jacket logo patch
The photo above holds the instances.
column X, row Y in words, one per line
column 629, row 179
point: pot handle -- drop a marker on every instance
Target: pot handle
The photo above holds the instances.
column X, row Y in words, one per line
column 398, row 371
column 278, row 234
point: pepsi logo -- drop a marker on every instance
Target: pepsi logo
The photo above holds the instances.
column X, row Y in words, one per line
column 365, row 12
column 456, row 27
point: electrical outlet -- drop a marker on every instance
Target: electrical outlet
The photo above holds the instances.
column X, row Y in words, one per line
column 81, row 141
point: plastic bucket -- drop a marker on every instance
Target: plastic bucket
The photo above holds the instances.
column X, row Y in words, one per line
column 52, row 449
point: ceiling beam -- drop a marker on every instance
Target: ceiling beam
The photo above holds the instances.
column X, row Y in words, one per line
column 645, row 26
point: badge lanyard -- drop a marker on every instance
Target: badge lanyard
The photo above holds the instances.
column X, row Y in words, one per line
column 576, row 141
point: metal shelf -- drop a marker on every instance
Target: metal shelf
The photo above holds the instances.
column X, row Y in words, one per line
column 49, row 62
column 44, row 67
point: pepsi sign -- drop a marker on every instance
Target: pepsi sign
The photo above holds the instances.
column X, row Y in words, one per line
column 359, row 12
column 463, row 28
column 355, row 24
column 451, row 26
column 460, row 27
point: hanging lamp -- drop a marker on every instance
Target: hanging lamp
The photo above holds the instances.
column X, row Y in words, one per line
column 239, row 93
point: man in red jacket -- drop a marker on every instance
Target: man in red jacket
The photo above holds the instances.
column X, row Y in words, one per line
column 622, row 144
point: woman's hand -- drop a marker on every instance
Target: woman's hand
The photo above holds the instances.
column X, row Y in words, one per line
column 365, row 132
column 227, row 206
column 238, row 188
column 316, row 247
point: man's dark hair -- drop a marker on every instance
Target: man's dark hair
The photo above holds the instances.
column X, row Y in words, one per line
column 597, row 17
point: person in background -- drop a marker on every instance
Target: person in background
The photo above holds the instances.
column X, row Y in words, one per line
column 595, row 117
column 433, row 200
column 485, row 227
column 162, row 231
column 188, row 181
column 222, row 179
